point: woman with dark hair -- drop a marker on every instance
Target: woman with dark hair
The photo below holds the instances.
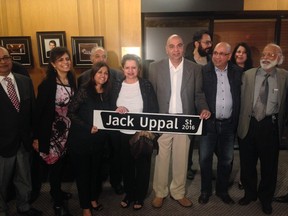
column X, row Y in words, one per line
column 86, row 141
column 242, row 56
column 133, row 94
column 52, row 126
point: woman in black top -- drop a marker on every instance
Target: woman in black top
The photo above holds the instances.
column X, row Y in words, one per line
column 86, row 141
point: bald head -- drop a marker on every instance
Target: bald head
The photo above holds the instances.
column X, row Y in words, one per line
column 225, row 45
column 221, row 55
column 175, row 49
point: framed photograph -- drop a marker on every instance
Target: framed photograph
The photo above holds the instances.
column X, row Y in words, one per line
column 19, row 48
column 81, row 49
column 47, row 41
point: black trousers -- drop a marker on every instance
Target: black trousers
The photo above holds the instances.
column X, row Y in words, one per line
column 136, row 172
column 55, row 179
column 261, row 142
column 115, row 158
column 87, row 169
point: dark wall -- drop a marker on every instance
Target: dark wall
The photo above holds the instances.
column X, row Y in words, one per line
column 149, row 6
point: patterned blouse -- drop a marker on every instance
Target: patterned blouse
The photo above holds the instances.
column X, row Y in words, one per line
column 60, row 126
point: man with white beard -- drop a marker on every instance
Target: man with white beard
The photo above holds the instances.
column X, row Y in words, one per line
column 263, row 113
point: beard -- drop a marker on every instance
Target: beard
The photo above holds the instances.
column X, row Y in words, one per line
column 269, row 65
column 204, row 52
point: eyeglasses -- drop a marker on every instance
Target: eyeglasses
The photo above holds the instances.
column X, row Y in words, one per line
column 206, row 42
column 268, row 55
column 5, row 58
column 215, row 53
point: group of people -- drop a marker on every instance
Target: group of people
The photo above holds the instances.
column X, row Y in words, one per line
column 218, row 84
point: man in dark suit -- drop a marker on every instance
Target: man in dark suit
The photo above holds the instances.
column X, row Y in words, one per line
column 178, row 86
column 112, row 148
column 222, row 87
column 16, row 110
column 262, row 116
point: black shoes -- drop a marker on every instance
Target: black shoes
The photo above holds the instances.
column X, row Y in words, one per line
column 99, row 207
column 225, row 197
column 267, row 209
column 281, row 199
column 245, row 201
column 119, row 189
column 30, row 212
column 240, row 186
column 61, row 211
column 191, row 174
column 67, row 195
column 203, row 198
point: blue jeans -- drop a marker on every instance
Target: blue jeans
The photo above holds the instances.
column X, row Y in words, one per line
column 222, row 143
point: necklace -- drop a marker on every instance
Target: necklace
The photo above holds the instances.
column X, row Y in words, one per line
column 64, row 86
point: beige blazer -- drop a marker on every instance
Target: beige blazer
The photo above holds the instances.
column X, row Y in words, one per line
column 192, row 95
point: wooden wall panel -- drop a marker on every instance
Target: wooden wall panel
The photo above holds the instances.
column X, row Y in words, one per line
column 111, row 30
column 3, row 18
column 260, row 5
column 13, row 16
column 265, row 5
column 129, row 19
column 86, row 11
column 76, row 18
column 282, row 5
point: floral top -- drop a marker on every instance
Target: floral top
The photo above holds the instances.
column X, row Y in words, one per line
column 60, row 126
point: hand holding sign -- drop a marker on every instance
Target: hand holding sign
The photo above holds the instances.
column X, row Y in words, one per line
column 122, row 110
column 205, row 114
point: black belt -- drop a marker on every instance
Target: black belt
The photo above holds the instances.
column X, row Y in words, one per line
column 273, row 118
column 223, row 120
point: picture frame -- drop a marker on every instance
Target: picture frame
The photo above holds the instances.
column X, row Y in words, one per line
column 47, row 41
column 81, row 49
column 20, row 49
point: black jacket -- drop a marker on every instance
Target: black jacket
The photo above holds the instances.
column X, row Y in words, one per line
column 17, row 127
column 45, row 111
column 210, row 90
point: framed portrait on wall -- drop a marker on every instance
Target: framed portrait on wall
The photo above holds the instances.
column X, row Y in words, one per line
column 47, row 41
column 81, row 49
column 20, row 49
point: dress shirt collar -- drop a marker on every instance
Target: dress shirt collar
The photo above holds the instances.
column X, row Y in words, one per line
column 180, row 66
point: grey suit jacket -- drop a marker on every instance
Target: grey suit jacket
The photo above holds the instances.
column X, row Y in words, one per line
column 192, row 95
column 247, row 98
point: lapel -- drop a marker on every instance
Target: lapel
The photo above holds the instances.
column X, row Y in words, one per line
column 19, row 86
column 165, row 75
column 251, row 85
column 6, row 97
column 186, row 76
column 280, row 83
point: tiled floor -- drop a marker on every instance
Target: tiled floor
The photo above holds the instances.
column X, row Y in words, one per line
column 215, row 206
